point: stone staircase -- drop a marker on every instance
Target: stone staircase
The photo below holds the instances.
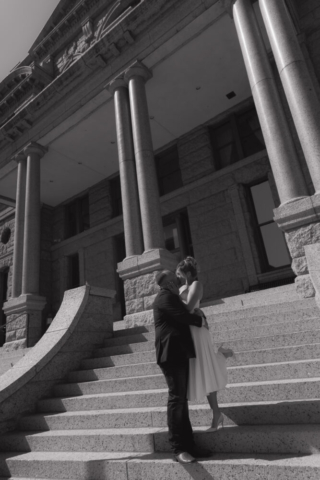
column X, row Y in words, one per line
column 108, row 420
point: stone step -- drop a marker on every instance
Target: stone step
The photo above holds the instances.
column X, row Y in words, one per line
column 254, row 373
column 221, row 331
column 260, row 413
column 250, row 357
column 224, row 311
column 265, row 439
column 279, row 390
column 257, row 343
column 157, row 466
column 273, row 371
column 110, row 439
column 254, row 439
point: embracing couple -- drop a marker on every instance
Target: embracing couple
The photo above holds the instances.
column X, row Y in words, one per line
column 186, row 355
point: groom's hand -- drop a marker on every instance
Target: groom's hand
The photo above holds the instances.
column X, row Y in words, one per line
column 199, row 312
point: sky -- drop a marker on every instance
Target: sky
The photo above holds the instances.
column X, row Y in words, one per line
column 21, row 21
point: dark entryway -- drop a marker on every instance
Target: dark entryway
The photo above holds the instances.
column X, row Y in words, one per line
column 3, row 298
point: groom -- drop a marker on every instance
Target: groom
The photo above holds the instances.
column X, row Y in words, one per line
column 174, row 347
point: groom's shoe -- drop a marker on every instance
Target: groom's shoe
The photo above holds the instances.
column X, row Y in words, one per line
column 184, row 457
column 198, row 452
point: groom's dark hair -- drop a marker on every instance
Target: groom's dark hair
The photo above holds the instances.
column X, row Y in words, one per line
column 161, row 277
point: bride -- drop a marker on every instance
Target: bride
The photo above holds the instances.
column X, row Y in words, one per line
column 208, row 371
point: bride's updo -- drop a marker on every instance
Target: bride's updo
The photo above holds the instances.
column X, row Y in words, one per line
column 189, row 264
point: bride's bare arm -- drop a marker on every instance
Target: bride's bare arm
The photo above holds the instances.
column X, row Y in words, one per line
column 194, row 295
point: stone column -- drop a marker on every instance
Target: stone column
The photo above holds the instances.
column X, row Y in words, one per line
column 24, row 317
column 138, row 272
column 152, row 228
column 19, row 226
column 128, row 178
column 296, row 80
column 282, row 155
column 31, row 247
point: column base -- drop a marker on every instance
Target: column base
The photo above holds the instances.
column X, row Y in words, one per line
column 140, row 288
column 300, row 221
column 24, row 321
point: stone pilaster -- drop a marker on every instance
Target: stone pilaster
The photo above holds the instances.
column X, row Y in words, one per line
column 297, row 83
column 279, row 144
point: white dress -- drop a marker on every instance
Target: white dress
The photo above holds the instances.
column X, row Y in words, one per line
column 208, row 371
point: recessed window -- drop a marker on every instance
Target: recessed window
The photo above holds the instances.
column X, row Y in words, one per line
column 237, row 138
column 73, row 271
column 5, row 236
column 274, row 251
column 77, row 216
column 168, row 170
column 177, row 235
column 115, row 193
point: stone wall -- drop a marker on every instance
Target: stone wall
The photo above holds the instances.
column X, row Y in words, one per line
column 45, row 259
column 309, row 20
column 6, row 249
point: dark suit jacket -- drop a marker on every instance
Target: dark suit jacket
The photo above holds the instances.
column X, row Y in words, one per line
column 173, row 338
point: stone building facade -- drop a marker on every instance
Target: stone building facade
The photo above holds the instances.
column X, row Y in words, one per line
column 138, row 132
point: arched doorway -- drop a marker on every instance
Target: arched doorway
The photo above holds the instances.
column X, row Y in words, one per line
column 3, row 298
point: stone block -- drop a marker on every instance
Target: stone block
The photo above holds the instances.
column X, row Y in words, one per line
column 135, row 305
column 299, row 266
column 10, row 336
column 299, row 237
column 304, row 286
column 148, row 302
column 21, row 333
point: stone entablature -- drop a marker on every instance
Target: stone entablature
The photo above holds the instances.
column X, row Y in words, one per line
column 16, row 90
column 112, row 42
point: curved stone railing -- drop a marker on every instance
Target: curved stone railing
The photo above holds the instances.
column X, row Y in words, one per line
column 84, row 320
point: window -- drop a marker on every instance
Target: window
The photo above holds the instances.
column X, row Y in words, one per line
column 120, row 254
column 115, row 192
column 77, row 216
column 237, row 138
column 177, row 234
column 274, row 249
column 73, row 271
column 168, row 170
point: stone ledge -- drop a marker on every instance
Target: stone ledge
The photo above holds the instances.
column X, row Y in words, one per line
column 149, row 261
column 83, row 320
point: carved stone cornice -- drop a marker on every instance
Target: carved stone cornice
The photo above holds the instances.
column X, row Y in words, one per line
column 83, row 69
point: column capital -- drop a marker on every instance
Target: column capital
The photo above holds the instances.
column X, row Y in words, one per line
column 18, row 157
column 228, row 6
column 118, row 82
column 34, row 147
column 138, row 69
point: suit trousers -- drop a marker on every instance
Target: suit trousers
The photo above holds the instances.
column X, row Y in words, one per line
column 180, row 430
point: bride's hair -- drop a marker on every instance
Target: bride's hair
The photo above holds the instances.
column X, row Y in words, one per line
column 189, row 264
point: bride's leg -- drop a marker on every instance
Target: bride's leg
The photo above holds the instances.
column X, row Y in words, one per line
column 213, row 402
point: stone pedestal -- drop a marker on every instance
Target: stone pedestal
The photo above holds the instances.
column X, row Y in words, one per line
column 24, row 321
column 313, row 262
column 300, row 221
column 138, row 273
